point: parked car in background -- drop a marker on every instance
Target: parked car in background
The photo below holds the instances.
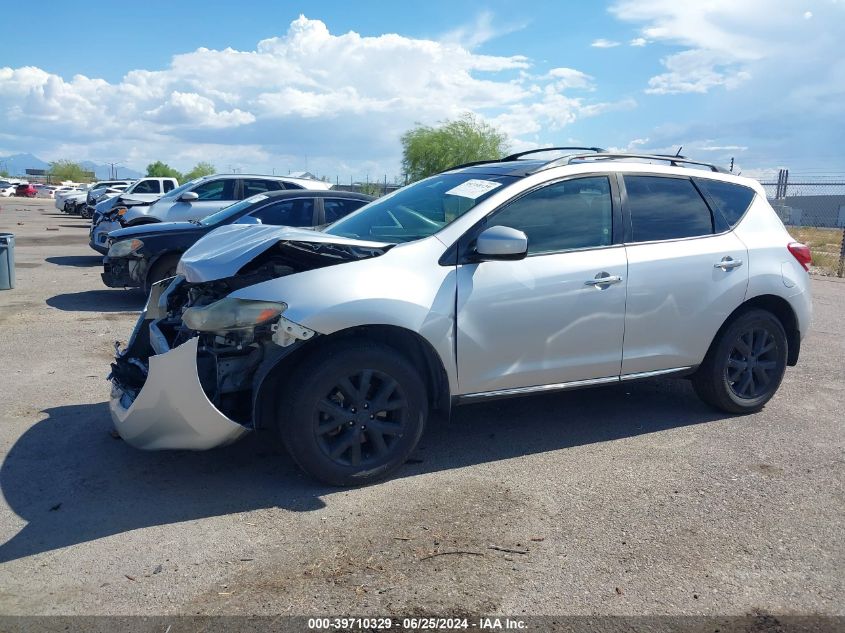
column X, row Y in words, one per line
column 87, row 211
column 491, row 280
column 201, row 197
column 26, row 190
column 141, row 193
column 7, row 189
column 141, row 255
column 44, row 191
column 98, row 188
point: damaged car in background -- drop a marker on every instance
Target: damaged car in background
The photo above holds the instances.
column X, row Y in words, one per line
column 490, row 280
column 139, row 256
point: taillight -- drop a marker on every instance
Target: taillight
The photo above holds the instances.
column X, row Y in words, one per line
column 801, row 252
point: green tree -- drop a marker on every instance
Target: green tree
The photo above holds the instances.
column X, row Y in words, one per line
column 428, row 150
column 202, row 168
column 67, row 170
column 162, row 170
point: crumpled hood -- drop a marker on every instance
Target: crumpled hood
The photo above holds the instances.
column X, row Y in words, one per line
column 158, row 228
column 227, row 249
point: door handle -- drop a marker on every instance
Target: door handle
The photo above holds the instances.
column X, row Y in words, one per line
column 728, row 263
column 603, row 279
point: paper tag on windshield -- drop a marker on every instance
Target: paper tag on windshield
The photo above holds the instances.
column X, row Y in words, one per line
column 473, row 188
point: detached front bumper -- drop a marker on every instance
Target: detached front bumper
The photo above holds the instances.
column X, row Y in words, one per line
column 172, row 411
column 124, row 272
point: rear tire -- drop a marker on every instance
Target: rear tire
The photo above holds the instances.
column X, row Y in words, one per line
column 745, row 364
column 352, row 414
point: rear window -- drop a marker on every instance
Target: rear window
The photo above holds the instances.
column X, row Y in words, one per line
column 666, row 209
column 732, row 200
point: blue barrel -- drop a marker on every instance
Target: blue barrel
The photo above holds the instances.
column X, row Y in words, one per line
column 7, row 261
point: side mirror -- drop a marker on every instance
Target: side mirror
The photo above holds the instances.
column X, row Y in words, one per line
column 189, row 196
column 501, row 242
column 248, row 219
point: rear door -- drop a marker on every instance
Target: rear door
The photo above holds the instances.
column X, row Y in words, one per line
column 296, row 212
column 686, row 273
column 336, row 208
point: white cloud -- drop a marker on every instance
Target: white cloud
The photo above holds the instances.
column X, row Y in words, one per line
column 638, row 41
column 726, row 42
column 603, row 43
column 340, row 99
column 480, row 31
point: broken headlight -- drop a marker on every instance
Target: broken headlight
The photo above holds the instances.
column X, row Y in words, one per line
column 124, row 248
column 231, row 314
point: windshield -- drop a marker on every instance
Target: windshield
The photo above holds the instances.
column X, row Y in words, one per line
column 420, row 209
column 174, row 193
column 227, row 213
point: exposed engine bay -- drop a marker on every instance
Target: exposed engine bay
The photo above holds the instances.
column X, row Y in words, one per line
column 231, row 362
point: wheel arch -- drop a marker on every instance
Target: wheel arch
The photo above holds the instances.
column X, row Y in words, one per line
column 419, row 352
column 782, row 310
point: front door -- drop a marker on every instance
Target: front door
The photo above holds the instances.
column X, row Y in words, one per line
column 557, row 315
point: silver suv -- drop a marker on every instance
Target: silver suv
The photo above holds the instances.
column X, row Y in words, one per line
column 505, row 278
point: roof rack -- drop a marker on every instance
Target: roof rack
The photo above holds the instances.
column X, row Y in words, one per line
column 672, row 160
column 518, row 155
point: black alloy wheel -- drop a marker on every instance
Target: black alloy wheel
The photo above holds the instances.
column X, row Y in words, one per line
column 745, row 364
column 752, row 363
column 352, row 412
column 361, row 418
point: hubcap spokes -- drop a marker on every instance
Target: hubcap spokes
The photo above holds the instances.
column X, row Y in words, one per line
column 361, row 418
column 752, row 363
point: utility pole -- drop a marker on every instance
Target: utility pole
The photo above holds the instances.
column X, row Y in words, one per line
column 732, row 164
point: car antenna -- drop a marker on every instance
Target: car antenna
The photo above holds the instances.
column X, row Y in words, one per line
column 678, row 153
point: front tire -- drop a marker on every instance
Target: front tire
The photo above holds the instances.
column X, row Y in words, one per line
column 352, row 414
column 745, row 364
column 164, row 267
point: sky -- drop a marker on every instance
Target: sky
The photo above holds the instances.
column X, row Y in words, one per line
column 331, row 87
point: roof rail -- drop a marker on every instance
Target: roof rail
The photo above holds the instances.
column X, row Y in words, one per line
column 519, row 155
column 672, row 160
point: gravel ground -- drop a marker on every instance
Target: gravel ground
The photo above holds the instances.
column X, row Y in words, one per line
column 623, row 500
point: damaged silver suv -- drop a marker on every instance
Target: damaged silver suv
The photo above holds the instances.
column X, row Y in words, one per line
column 497, row 279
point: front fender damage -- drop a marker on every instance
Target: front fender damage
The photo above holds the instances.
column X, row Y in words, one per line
column 174, row 388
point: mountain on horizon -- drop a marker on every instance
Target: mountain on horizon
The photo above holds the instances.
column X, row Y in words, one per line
column 17, row 164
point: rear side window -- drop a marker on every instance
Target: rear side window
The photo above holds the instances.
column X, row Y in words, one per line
column 288, row 213
column 666, row 209
column 732, row 200
column 337, row 208
column 256, row 186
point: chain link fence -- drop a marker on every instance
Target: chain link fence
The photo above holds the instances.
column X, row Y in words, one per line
column 814, row 213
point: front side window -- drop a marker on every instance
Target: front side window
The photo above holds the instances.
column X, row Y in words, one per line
column 563, row 216
column 666, row 209
column 732, row 200
column 168, row 185
column 421, row 209
column 288, row 213
column 216, row 190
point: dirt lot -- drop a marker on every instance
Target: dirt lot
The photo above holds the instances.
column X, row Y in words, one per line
column 629, row 500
